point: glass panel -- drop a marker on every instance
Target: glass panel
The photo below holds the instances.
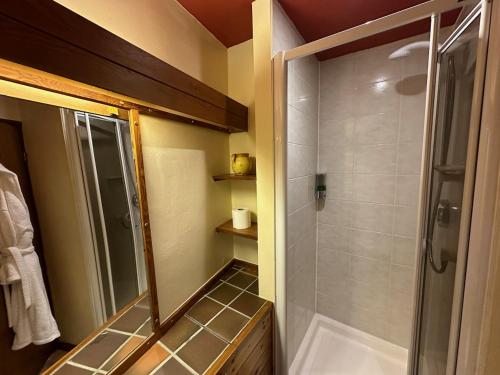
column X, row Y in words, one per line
column 455, row 88
column 120, row 233
column 95, row 220
column 115, row 210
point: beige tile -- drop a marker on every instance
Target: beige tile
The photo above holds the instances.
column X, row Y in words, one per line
column 380, row 97
column 370, row 271
column 407, row 189
column 373, row 188
column 401, row 300
column 335, row 212
column 301, row 160
column 411, row 127
column 370, row 296
column 336, row 159
column 333, row 268
column 333, row 237
column 374, row 65
column 340, row 102
column 328, row 305
column 301, row 128
column 378, row 128
column 372, row 217
column 409, row 158
column 399, row 329
column 403, row 251
column 298, row 220
column 334, row 133
column 366, row 320
column 338, row 68
column 402, row 278
column 371, row 244
column 339, row 186
column 300, row 192
column 405, row 222
column 379, row 159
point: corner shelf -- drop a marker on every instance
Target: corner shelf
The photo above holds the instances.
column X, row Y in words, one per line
column 227, row 227
column 231, row 176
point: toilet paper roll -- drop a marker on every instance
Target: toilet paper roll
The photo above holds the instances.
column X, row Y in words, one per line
column 241, row 218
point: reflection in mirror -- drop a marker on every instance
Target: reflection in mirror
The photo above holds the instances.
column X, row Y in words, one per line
column 86, row 279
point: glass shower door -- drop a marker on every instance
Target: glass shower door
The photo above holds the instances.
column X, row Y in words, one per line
column 105, row 148
column 443, row 275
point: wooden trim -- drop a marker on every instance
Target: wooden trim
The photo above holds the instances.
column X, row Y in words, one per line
column 231, row 176
column 135, row 131
column 93, row 335
column 62, row 23
column 233, row 347
column 227, row 227
column 31, row 77
column 45, row 35
column 249, row 267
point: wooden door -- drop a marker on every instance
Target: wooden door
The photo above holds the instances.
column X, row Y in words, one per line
column 30, row 359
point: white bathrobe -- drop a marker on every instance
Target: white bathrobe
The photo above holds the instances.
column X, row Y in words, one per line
column 28, row 308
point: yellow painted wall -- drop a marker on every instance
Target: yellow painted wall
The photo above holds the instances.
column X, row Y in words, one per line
column 164, row 29
column 262, row 34
column 241, row 88
column 54, row 199
column 185, row 206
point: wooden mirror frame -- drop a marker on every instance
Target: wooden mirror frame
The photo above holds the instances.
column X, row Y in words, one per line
column 46, row 82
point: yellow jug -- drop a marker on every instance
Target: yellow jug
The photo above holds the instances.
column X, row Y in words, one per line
column 241, row 164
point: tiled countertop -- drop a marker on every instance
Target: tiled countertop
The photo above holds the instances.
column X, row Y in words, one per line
column 191, row 345
column 113, row 344
column 196, row 340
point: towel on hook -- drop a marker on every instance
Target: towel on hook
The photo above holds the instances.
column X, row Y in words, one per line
column 28, row 308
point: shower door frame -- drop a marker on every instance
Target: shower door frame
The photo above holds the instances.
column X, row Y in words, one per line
column 82, row 181
column 431, row 9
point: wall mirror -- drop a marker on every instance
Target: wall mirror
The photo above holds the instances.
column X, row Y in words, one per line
column 70, row 203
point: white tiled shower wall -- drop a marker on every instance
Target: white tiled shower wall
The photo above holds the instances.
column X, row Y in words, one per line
column 370, row 137
column 302, row 149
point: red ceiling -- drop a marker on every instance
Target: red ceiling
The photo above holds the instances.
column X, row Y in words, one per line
column 231, row 20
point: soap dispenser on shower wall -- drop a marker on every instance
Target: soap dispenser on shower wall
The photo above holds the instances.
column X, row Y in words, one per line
column 320, row 190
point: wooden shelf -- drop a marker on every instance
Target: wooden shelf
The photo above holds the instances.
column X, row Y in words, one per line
column 227, row 227
column 222, row 177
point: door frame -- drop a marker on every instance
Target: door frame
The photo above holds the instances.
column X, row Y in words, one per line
column 481, row 11
column 430, row 9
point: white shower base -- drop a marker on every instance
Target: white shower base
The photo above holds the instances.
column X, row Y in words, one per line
column 333, row 348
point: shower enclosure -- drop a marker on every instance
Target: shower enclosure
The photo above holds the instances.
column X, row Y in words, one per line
column 370, row 276
column 108, row 178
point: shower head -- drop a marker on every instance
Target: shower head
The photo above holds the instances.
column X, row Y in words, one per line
column 405, row 51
